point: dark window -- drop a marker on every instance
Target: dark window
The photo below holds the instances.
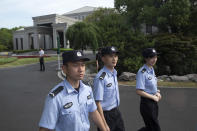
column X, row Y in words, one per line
column 32, row 42
column 16, row 43
column 22, row 43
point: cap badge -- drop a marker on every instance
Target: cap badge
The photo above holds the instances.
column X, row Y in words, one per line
column 154, row 51
column 113, row 49
column 79, row 54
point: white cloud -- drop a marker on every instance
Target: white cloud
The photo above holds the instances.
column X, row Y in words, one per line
column 19, row 12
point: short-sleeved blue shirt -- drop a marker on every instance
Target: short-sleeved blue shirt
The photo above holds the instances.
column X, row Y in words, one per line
column 69, row 109
column 106, row 91
column 146, row 80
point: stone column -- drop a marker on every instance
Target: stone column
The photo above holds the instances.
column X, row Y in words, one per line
column 54, row 38
column 19, row 44
column 36, row 40
column 64, row 33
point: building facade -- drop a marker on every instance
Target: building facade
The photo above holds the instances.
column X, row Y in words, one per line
column 46, row 29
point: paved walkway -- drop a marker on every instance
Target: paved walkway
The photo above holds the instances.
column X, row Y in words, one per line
column 23, row 90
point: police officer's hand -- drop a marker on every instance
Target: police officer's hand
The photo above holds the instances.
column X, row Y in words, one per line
column 156, row 98
column 107, row 128
column 159, row 95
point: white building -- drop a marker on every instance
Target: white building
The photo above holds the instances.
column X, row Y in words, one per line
column 45, row 29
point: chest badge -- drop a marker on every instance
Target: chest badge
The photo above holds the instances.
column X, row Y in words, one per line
column 150, row 78
column 89, row 97
column 109, row 85
column 67, row 105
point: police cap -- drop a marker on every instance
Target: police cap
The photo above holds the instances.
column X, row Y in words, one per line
column 73, row 56
column 149, row 53
column 109, row 50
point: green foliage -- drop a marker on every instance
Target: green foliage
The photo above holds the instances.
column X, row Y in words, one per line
column 115, row 31
column 62, row 49
column 169, row 16
column 178, row 54
column 2, row 48
column 82, row 35
column 174, row 14
column 6, row 38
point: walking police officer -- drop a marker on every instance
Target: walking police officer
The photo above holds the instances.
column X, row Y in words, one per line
column 146, row 87
column 68, row 104
column 106, row 92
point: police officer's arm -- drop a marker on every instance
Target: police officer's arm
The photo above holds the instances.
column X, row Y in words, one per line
column 98, row 120
column 98, row 94
column 140, row 86
column 100, row 110
column 50, row 114
column 144, row 94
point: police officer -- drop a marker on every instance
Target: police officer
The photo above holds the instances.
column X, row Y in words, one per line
column 41, row 59
column 146, row 87
column 68, row 105
column 106, row 92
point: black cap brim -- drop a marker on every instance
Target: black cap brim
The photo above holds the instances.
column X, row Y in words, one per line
column 82, row 58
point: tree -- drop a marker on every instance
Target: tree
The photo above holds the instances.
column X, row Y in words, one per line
column 174, row 15
column 167, row 15
column 115, row 31
column 112, row 27
column 6, row 36
column 82, row 35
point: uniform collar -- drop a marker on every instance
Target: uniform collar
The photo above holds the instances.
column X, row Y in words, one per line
column 149, row 70
column 109, row 73
column 70, row 89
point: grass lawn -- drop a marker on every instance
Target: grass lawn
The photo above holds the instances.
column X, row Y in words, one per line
column 24, row 61
column 165, row 84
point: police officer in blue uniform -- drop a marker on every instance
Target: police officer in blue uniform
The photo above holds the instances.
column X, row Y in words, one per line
column 146, row 87
column 68, row 105
column 106, row 91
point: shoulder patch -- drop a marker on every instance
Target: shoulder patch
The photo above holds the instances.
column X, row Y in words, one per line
column 143, row 70
column 56, row 91
column 102, row 76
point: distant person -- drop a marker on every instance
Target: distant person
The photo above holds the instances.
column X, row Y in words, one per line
column 69, row 104
column 106, row 91
column 99, row 63
column 41, row 59
column 146, row 87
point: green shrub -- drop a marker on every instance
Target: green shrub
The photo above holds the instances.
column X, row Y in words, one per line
column 178, row 55
column 62, row 49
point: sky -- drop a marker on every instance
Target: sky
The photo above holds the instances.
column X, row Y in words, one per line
column 14, row 13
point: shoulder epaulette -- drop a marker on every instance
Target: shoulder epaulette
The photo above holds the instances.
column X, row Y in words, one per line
column 102, row 76
column 56, row 91
column 143, row 70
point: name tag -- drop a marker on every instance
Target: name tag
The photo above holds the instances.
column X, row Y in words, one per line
column 150, row 78
column 67, row 105
column 109, row 85
column 89, row 97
